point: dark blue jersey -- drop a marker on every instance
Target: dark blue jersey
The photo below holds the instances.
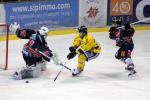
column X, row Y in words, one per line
column 35, row 44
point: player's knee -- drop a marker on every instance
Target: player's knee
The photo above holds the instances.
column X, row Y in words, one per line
column 82, row 57
column 128, row 61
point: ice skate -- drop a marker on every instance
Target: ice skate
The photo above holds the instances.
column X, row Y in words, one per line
column 76, row 72
column 132, row 72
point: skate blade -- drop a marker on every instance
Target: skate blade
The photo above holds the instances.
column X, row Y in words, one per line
column 133, row 76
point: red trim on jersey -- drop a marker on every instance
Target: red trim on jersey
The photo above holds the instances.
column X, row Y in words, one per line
column 35, row 53
column 23, row 33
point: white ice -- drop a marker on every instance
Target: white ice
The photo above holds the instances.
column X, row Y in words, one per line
column 104, row 78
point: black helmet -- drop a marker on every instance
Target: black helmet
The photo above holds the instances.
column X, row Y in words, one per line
column 82, row 29
column 118, row 22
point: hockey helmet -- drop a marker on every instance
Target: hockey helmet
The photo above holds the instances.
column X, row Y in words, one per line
column 118, row 23
column 43, row 31
column 82, row 29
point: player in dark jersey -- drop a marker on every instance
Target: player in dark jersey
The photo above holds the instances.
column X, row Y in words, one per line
column 35, row 61
column 35, row 52
column 123, row 34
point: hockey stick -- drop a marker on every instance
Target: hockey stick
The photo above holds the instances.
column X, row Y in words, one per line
column 140, row 21
column 135, row 22
column 60, row 63
column 63, row 66
column 58, row 74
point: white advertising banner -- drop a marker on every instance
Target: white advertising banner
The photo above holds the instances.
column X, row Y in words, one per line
column 2, row 14
column 93, row 13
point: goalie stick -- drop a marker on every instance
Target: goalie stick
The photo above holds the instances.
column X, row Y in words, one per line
column 59, row 63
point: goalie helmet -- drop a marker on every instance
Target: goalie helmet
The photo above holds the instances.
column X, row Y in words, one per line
column 82, row 31
column 43, row 31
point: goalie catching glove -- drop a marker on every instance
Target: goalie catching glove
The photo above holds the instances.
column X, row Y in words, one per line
column 13, row 27
column 53, row 56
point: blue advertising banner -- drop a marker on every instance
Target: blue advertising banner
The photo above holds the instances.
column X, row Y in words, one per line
column 53, row 14
column 128, row 10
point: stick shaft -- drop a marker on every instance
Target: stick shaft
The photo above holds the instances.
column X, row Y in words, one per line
column 58, row 74
column 65, row 67
column 140, row 21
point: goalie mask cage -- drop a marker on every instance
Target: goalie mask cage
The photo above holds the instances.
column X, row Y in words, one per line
column 4, row 33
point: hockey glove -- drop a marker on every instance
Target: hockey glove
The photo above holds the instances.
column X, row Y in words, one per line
column 13, row 27
column 49, row 54
column 72, row 49
column 71, row 55
column 112, row 33
column 112, row 36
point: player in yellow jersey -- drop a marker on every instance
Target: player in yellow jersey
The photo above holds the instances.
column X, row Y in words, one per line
column 85, row 46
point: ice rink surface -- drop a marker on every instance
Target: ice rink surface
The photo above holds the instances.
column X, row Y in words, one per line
column 104, row 78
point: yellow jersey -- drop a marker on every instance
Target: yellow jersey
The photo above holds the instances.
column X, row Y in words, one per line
column 87, row 43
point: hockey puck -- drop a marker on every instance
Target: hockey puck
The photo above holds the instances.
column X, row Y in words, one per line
column 26, row 81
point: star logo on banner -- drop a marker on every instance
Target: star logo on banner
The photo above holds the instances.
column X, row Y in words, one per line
column 92, row 12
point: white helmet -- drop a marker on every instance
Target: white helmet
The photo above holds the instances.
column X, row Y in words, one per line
column 43, row 31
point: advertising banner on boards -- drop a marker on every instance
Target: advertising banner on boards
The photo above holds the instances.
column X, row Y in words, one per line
column 53, row 14
column 93, row 13
column 128, row 10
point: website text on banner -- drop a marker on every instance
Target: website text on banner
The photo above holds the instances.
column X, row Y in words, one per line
column 56, row 14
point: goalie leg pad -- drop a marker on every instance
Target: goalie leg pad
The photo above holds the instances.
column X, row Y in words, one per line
column 42, row 65
column 27, row 72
